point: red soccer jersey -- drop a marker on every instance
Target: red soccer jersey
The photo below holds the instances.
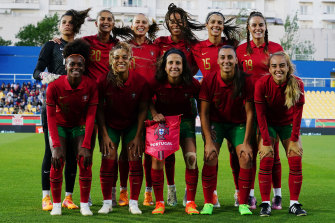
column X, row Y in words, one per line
column 71, row 104
column 256, row 63
column 223, row 107
column 122, row 103
column 176, row 100
column 273, row 96
column 144, row 59
column 99, row 57
column 206, row 55
column 165, row 43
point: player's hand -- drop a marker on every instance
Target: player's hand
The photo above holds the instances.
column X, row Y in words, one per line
column 265, row 151
column 159, row 117
column 56, row 40
column 107, row 146
column 86, row 153
column 47, row 77
column 247, row 149
column 210, row 152
column 295, row 147
column 136, row 146
column 57, row 156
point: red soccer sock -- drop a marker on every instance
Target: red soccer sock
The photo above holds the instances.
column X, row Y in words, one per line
column 276, row 170
column 85, row 179
column 158, row 183
column 135, row 178
column 209, row 177
column 107, row 177
column 244, row 182
column 265, row 177
column 124, row 171
column 147, row 170
column 169, row 169
column 56, row 180
column 191, row 178
column 295, row 177
column 235, row 168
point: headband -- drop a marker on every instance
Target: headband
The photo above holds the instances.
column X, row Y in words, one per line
column 214, row 13
column 76, row 55
column 176, row 51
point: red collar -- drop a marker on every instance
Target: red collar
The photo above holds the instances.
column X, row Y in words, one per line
column 68, row 86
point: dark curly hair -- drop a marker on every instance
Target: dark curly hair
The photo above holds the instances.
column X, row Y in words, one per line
column 266, row 36
column 161, row 75
column 78, row 18
column 78, row 46
column 239, row 76
column 187, row 24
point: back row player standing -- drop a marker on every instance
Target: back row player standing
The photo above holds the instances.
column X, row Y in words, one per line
column 51, row 57
column 253, row 56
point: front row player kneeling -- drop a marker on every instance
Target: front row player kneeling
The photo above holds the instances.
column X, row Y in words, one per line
column 71, row 106
column 226, row 111
column 279, row 100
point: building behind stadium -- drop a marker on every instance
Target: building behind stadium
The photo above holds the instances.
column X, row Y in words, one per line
column 316, row 17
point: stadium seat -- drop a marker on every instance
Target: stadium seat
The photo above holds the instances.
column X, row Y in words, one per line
column 319, row 105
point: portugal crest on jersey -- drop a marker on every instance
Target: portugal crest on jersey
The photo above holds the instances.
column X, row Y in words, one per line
column 161, row 131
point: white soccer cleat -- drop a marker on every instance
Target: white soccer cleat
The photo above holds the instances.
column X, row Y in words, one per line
column 56, row 209
column 85, row 209
column 106, row 207
column 133, row 207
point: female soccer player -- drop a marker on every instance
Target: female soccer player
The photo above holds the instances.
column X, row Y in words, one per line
column 279, row 100
column 123, row 105
column 51, row 57
column 174, row 93
column 206, row 52
column 145, row 55
column 253, row 57
column 226, row 112
column 181, row 28
column 71, row 106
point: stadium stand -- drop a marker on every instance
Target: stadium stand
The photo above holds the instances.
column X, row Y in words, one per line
column 319, row 105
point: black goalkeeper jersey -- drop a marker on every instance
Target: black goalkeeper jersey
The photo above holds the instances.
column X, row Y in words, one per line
column 51, row 57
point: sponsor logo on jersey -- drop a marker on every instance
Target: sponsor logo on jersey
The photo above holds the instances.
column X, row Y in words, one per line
column 85, row 97
column 204, row 53
column 152, row 53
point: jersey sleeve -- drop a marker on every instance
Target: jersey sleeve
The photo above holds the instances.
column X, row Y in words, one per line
column 297, row 114
column 51, row 115
column 50, row 95
column 249, row 90
column 204, row 93
column 94, row 99
column 44, row 59
column 259, row 92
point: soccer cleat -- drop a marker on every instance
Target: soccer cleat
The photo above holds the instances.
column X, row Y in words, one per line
column 236, row 203
column 56, row 209
column 85, row 209
column 133, row 208
column 297, row 210
column 172, row 196
column 123, row 200
column 191, row 208
column 159, row 209
column 148, row 199
column 216, row 202
column 276, row 203
column 265, row 210
column 68, row 203
column 46, row 203
column 252, row 202
column 244, row 209
column 207, row 209
column 106, row 207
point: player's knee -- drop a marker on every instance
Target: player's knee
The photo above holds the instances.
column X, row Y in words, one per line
column 191, row 160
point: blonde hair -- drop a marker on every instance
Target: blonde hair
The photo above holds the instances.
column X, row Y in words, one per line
column 292, row 91
column 113, row 76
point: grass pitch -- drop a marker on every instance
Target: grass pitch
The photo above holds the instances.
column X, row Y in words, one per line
column 20, row 186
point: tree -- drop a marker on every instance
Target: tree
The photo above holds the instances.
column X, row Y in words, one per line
column 4, row 42
column 45, row 30
column 241, row 20
column 290, row 42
